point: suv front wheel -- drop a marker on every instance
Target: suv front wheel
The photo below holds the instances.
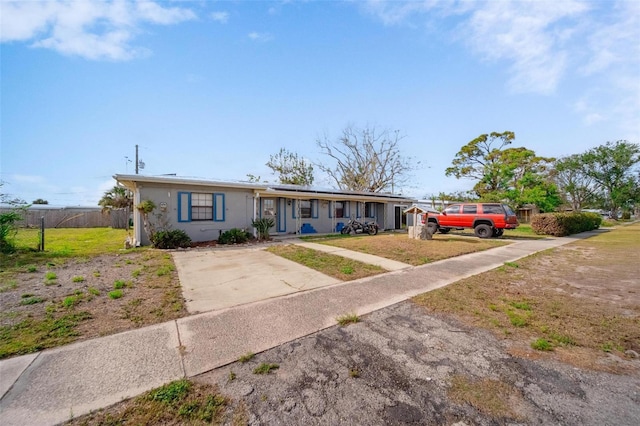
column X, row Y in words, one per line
column 483, row 231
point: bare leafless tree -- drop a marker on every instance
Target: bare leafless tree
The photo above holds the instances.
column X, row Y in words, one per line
column 366, row 159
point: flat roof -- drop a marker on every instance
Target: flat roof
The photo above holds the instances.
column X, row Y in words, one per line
column 290, row 191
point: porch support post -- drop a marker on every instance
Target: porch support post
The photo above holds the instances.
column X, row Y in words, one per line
column 256, row 200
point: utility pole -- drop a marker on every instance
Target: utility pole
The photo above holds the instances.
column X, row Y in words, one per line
column 136, row 159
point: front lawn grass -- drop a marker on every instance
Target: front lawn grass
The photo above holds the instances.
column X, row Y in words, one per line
column 413, row 252
column 62, row 243
column 329, row 264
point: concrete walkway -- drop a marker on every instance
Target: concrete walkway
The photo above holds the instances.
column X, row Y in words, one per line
column 49, row 387
column 389, row 265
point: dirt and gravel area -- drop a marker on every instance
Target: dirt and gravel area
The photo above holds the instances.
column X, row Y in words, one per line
column 465, row 355
column 401, row 365
column 46, row 305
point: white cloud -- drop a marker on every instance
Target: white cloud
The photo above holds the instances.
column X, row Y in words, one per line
column 90, row 29
column 531, row 35
column 260, row 37
column 222, row 17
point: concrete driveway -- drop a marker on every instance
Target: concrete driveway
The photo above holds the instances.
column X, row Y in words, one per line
column 222, row 278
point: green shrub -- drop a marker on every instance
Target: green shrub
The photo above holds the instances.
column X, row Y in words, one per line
column 170, row 239
column 8, row 229
column 563, row 224
column 234, row 236
column 263, row 225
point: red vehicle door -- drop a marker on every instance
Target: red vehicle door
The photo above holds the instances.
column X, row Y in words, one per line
column 451, row 216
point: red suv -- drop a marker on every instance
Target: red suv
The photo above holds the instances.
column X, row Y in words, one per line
column 487, row 219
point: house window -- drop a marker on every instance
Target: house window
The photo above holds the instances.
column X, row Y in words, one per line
column 339, row 209
column 308, row 209
column 370, row 210
column 201, row 206
column 305, row 209
column 196, row 206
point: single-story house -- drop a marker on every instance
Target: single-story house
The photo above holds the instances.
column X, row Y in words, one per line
column 204, row 209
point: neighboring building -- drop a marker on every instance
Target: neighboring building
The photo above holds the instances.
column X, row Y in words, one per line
column 204, row 209
column 526, row 212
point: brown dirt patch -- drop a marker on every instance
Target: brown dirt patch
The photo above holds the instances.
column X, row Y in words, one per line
column 149, row 284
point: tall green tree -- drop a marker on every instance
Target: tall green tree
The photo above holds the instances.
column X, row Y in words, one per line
column 290, row 168
column 525, row 178
column 577, row 188
column 480, row 160
column 366, row 159
column 516, row 175
column 612, row 166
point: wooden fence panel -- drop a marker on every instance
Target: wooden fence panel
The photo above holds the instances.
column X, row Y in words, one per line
column 75, row 218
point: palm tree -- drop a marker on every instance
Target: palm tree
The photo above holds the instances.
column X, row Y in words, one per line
column 117, row 197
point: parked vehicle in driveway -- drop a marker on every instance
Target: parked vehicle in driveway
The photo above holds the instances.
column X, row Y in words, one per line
column 487, row 219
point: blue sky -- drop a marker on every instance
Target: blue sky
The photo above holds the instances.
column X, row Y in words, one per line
column 211, row 89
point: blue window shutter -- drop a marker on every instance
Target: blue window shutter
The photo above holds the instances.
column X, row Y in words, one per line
column 358, row 209
column 184, row 207
column 346, row 213
column 293, row 209
column 331, row 205
column 314, row 209
column 218, row 208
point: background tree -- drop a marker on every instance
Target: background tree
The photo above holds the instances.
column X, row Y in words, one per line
column 577, row 188
column 515, row 175
column 366, row 160
column 526, row 179
column 480, row 160
column 117, row 197
column 612, row 168
column 290, row 168
column 40, row 201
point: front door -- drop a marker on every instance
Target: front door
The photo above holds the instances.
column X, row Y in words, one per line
column 269, row 210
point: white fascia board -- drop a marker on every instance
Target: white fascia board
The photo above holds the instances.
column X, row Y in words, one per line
column 131, row 180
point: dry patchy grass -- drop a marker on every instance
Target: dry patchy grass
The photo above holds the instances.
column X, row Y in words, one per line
column 44, row 303
column 329, row 264
column 413, row 252
column 583, row 298
column 176, row 403
column 489, row 396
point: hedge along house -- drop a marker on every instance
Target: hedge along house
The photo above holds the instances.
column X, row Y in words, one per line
column 204, row 209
